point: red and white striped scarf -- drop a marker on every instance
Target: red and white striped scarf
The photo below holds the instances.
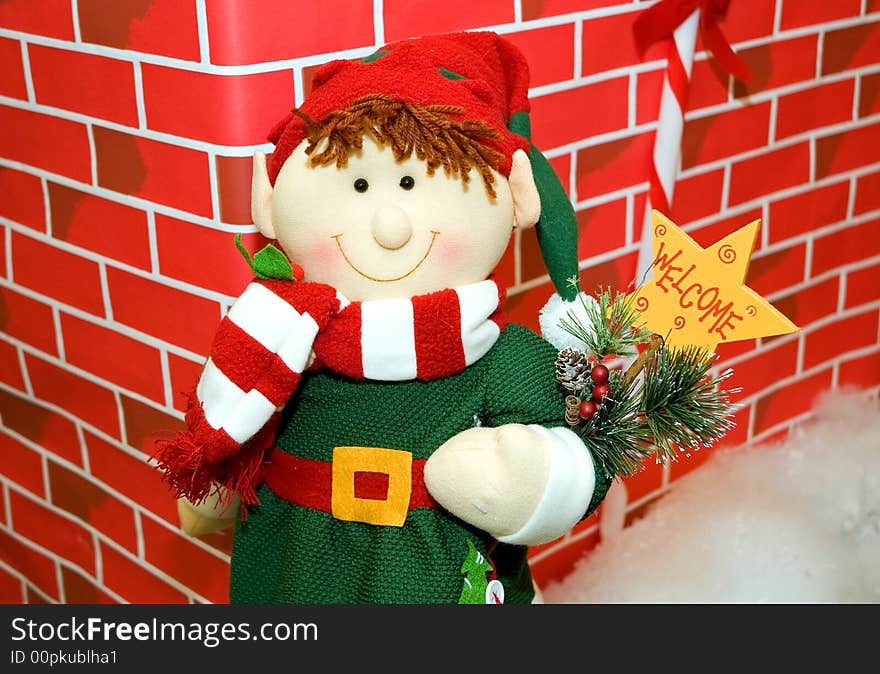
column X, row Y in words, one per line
column 278, row 329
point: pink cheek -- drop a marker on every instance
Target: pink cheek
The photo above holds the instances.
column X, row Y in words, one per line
column 450, row 252
column 320, row 255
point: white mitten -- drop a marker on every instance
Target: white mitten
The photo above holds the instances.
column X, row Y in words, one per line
column 524, row 485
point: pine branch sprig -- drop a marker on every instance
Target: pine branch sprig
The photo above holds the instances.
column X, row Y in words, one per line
column 684, row 406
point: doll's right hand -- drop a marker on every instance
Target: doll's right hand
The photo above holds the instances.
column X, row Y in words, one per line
column 209, row 515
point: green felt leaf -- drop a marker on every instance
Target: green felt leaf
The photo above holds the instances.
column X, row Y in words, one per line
column 375, row 56
column 449, row 75
column 272, row 263
column 268, row 263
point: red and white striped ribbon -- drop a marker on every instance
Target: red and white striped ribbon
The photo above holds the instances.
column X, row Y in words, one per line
column 670, row 123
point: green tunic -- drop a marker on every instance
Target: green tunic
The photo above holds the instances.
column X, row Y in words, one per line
column 284, row 553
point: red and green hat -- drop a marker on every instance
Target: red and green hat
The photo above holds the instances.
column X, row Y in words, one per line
column 481, row 73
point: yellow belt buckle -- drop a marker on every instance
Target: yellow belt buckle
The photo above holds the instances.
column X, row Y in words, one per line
column 395, row 463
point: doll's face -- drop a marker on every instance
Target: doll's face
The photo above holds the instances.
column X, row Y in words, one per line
column 380, row 228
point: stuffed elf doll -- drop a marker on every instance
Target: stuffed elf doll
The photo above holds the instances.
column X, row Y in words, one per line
column 390, row 437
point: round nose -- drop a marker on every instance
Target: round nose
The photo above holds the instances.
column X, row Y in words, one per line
column 391, row 227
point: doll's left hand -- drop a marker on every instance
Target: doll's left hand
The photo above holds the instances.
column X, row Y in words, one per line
column 492, row 478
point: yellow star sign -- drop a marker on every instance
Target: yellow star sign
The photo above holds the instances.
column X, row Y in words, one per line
column 698, row 296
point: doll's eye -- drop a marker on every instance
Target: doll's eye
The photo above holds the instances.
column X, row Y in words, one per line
column 407, row 182
column 361, row 185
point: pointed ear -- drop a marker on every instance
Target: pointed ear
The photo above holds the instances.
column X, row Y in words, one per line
column 261, row 197
column 526, row 200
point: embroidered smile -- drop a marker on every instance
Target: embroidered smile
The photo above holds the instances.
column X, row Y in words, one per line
column 351, row 264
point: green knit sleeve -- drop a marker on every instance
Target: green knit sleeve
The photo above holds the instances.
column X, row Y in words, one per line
column 520, row 388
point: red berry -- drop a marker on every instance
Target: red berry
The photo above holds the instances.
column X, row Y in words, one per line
column 600, row 391
column 599, row 374
column 587, row 410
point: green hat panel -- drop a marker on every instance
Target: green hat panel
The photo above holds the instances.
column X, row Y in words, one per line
column 557, row 228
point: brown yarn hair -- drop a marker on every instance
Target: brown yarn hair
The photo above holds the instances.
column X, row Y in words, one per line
column 429, row 131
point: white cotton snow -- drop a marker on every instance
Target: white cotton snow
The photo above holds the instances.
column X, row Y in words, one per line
column 796, row 522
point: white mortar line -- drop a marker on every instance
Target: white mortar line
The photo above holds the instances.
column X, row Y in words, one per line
column 59, row 577
column 139, row 534
column 379, row 22
column 629, row 234
column 820, row 48
column 93, row 155
column 298, row 87
column 202, row 23
column 84, row 449
column 857, row 96
column 28, row 77
column 808, row 257
column 215, row 189
column 59, row 339
column 120, row 417
column 47, row 206
column 631, row 101
column 74, row 8
column 572, row 179
column 7, row 242
column 812, row 148
column 139, row 96
column 851, row 198
column 166, row 378
column 774, row 115
column 578, row 46
column 153, row 242
column 25, row 375
column 7, row 504
column 105, row 291
column 799, row 358
column 99, row 561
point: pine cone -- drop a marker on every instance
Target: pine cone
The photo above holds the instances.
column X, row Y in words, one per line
column 572, row 370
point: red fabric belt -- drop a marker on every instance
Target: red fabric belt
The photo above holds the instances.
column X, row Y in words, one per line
column 309, row 483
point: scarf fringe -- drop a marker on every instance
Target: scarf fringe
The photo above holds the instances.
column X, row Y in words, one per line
column 190, row 475
column 182, row 461
column 194, row 471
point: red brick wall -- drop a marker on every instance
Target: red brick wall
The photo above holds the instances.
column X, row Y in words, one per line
column 125, row 131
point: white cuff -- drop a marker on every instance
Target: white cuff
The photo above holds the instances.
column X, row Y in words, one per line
column 568, row 492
